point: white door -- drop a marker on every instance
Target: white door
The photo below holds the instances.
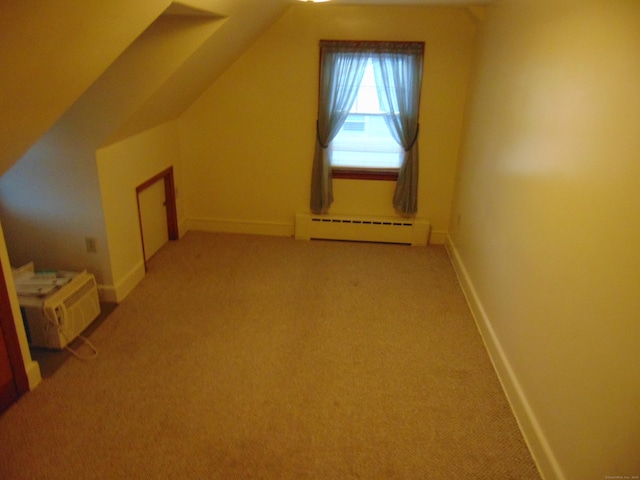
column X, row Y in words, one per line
column 153, row 218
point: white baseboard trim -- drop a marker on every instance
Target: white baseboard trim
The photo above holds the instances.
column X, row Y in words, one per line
column 34, row 375
column 242, row 227
column 116, row 293
column 534, row 437
column 438, row 238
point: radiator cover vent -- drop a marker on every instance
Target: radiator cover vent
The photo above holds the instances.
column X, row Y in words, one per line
column 362, row 229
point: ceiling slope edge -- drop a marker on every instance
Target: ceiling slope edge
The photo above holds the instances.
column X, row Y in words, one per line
column 170, row 42
column 236, row 33
column 181, row 8
column 48, row 63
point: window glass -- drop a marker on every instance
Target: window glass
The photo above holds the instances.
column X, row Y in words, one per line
column 365, row 141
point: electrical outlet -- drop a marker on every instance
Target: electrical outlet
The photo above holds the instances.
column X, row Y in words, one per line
column 90, row 242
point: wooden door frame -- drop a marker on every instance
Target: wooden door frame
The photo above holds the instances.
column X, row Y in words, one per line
column 8, row 326
column 170, row 203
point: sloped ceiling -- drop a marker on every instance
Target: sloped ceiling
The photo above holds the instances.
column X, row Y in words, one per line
column 245, row 21
column 52, row 52
column 135, row 75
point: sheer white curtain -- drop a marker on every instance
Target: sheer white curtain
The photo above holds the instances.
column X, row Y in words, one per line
column 341, row 71
column 398, row 70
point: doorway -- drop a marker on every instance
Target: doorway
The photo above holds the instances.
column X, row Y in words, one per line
column 157, row 213
column 13, row 378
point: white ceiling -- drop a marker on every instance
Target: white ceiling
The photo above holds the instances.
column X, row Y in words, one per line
column 410, row 2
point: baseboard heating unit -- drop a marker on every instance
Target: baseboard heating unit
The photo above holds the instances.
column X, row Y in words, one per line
column 362, row 229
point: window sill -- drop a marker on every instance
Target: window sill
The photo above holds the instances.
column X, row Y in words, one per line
column 365, row 174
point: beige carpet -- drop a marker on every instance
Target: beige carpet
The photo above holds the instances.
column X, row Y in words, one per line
column 246, row 357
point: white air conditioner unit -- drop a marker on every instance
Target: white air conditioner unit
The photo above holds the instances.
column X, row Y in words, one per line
column 58, row 318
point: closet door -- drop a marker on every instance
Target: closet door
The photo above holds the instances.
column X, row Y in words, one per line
column 153, row 218
column 157, row 212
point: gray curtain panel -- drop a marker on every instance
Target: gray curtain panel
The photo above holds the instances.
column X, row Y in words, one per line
column 341, row 72
column 398, row 70
column 399, row 78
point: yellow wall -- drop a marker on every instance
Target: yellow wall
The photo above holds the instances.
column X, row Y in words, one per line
column 122, row 167
column 50, row 200
column 146, row 67
column 545, row 228
column 248, row 141
column 51, row 52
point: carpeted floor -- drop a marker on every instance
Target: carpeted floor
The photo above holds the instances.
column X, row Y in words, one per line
column 247, row 357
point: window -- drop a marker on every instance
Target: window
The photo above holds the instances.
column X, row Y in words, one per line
column 364, row 144
column 367, row 127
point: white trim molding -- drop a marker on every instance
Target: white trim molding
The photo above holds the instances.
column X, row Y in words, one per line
column 534, row 436
column 241, row 226
column 116, row 293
